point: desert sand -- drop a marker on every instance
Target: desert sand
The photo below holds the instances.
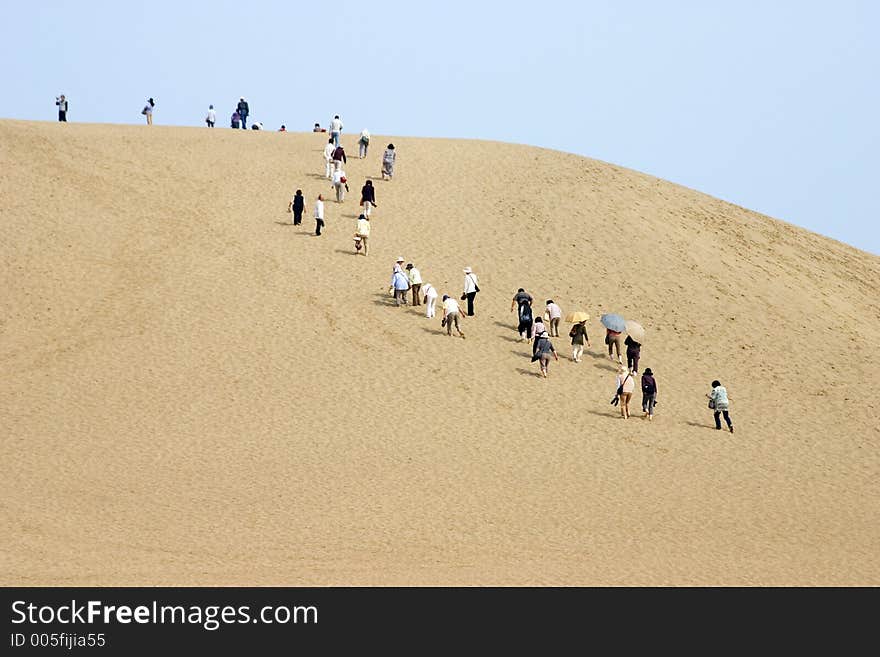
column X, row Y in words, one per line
column 195, row 392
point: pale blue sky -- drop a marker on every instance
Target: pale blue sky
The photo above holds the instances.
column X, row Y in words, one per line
column 773, row 105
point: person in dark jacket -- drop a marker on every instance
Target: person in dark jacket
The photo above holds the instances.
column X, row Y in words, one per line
column 339, row 157
column 649, row 394
column 368, row 197
column 633, row 353
column 236, row 120
column 243, row 111
column 297, row 205
column 578, row 335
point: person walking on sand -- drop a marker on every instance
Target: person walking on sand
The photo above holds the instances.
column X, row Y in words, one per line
column 578, row 335
column 415, row 281
column 335, row 130
column 398, row 265
column 243, row 111
column 388, row 159
column 614, row 341
column 211, row 117
column 626, row 384
column 148, row 110
column 400, row 283
column 526, row 318
column 649, row 393
column 633, row 353
column 470, row 290
column 554, row 314
column 430, row 294
column 61, row 101
column 319, row 214
column 542, row 350
column 451, row 315
column 537, row 328
column 340, row 184
column 363, row 231
column 339, row 157
column 296, row 206
column 368, row 197
column 363, row 143
column 519, row 298
column 328, row 158
column 719, row 402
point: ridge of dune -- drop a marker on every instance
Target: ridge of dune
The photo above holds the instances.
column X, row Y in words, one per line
column 194, row 393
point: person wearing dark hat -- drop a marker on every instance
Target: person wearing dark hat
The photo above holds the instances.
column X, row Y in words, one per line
column 633, row 353
column 649, row 394
column 415, row 281
column 720, row 404
column 148, row 110
column 297, row 205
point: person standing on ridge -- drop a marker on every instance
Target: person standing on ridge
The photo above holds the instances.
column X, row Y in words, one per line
column 61, row 101
column 148, row 110
column 335, row 130
column 211, row 118
column 243, row 111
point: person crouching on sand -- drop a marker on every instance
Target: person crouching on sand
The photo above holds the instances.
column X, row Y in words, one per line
column 451, row 315
column 430, row 298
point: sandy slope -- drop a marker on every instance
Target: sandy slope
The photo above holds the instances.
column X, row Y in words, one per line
column 194, row 393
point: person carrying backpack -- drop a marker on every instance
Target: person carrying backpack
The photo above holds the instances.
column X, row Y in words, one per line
column 526, row 319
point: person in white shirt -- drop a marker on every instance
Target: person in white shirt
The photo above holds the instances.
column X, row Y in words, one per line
column 554, row 314
column 363, row 231
column 451, row 315
column 335, row 129
column 470, row 289
column 363, row 143
column 319, row 214
column 211, row 118
column 430, row 294
column 328, row 158
column 340, row 184
column 415, row 281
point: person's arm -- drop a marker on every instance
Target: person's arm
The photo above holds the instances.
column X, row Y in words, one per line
column 512, row 304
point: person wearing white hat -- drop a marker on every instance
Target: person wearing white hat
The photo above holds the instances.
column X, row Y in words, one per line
column 470, row 289
column 398, row 265
column 430, row 294
column 542, row 350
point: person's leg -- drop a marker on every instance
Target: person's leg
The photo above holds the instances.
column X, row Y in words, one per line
column 626, row 397
column 417, row 294
column 365, row 241
column 728, row 420
column 554, row 326
column 449, row 323
column 457, row 327
column 244, row 121
column 368, row 208
column 718, row 420
column 635, row 366
column 319, row 223
column 577, row 352
column 470, row 300
column 327, row 165
column 651, row 401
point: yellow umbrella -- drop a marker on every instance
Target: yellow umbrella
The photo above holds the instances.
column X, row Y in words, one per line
column 577, row 317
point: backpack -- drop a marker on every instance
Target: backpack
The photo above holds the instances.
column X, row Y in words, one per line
column 525, row 312
column 649, row 387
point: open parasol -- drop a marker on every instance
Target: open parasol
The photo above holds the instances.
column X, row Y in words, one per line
column 613, row 322
column 635, row 330
column 576, row 317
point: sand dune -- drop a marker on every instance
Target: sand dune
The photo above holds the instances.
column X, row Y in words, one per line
column 194, row 393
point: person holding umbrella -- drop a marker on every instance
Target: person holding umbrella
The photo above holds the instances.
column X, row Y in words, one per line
column 635, row 337
column 720, row 404
column 614, row 326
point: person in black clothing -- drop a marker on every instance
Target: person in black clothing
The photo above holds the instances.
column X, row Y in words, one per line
column 61, row 101
column 339, row 157
column 243, row 111
column 649, row 394
column 633, row 353
column 297, row 205
column 368, row 197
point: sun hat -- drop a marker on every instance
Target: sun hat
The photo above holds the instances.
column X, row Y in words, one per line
column 400, row 259
column 445, row 297
column 467, row 270
column 648, row 372
column 409, row 266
